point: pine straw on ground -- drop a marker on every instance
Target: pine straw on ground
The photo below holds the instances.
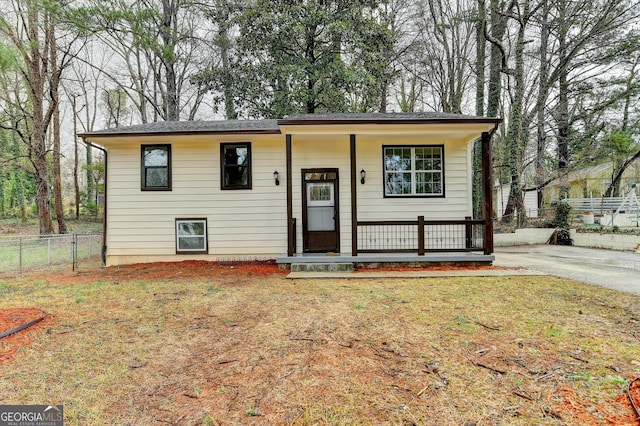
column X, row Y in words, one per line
column 195, row 343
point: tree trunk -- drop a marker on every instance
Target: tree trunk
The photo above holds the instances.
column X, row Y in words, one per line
column 563, row 100
column 481, row 22
column 54, row 81
column 615, row 182
column 38, row 144
column 223, row 42
column 480, row 57
column 76, row 184
column 57, row 177
column 543, row 94
column 516, row 138
column 498, row 30
column 42, row 192
column 384, row 95
column 171, row 101
column 631, row 86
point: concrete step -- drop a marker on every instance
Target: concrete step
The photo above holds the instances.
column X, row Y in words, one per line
column 322, row 267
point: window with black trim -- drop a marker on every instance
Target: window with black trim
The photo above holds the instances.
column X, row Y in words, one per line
column 414, row 171
column 235, row 160
column 191, row 236
column 155, row 168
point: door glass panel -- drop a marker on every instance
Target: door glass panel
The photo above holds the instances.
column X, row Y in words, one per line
column 320, row 219
column 319, row 194
column 320, row 207
column 320, row 176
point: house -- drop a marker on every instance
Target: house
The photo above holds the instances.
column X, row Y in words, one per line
column 343, row 186
column 593, row 181
column 501, row 193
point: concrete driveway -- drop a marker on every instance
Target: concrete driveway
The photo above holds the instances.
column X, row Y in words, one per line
column 619, row 270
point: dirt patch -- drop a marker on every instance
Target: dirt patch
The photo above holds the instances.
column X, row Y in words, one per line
column 14, row 317
column 11, row 229
column 193, row 269
column 185, row 270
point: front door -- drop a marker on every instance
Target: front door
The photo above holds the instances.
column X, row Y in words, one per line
column 320, row 210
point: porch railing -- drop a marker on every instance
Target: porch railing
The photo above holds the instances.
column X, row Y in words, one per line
column 421, row 236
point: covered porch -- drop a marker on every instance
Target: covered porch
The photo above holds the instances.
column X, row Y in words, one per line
column 400, row 240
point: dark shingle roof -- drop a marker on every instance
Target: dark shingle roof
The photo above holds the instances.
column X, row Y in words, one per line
column 273, row 126
column 189, row 127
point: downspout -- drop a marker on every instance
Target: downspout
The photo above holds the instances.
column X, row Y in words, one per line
column 103, row 252
column 495, row 129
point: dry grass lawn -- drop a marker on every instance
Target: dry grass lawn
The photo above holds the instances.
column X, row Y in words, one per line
column 194, row 343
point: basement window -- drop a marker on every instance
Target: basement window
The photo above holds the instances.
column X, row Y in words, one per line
column 191, row 236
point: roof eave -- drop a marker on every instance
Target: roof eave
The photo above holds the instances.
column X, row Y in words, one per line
column 303, row 121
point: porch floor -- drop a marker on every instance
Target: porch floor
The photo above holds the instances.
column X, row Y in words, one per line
column 387, row 259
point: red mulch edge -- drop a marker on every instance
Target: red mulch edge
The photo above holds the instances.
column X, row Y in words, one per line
column 14, row 317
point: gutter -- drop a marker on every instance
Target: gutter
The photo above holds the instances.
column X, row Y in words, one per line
column 103, row 252
column 495, row 128
column 352, row 121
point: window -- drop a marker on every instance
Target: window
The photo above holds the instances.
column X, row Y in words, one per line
column 235, row 159
column 156, row 168
column 414, row 171
column 191, row 236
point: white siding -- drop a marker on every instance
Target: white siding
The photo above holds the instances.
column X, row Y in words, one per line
column 252, row 223
column 240, row 222
column 371, row 202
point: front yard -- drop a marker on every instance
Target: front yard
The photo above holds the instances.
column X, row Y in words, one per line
column 195, row 343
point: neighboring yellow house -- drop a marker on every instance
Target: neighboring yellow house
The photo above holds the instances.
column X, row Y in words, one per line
column 592, row 182
column 353, row 185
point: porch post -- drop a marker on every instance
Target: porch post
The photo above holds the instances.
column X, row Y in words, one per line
column 421, row 249
column 354, row 198
column 291, row 243
column 487, row 210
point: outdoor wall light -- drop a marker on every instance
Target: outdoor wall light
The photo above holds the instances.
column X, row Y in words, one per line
column 363, row 174
column 276, row 177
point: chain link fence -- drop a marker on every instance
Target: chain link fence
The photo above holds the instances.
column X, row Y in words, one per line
column 29, row 252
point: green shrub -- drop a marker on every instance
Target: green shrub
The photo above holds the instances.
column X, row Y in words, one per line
column 561, row 218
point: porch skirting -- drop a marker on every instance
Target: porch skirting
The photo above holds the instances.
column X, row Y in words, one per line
column 370, row 260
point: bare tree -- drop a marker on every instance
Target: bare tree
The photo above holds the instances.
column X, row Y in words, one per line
column 156, row 46
column 518, row 131
column 588, row 37
column 444, row 50
column 83, row 87
column 114, row 103
column 29, row 27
